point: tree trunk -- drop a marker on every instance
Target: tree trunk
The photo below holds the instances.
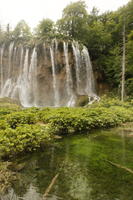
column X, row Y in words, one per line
column 123, row 65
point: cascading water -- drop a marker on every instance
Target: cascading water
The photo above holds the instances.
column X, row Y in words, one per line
column 33, row 78
column 69, row 82
column 46, row 75
column 24, row 82
column 1, row 66
column 77, row 56
column 10, row 58
column 89, row 88
column 55, row 88
column 15, row 92
column 8, row 85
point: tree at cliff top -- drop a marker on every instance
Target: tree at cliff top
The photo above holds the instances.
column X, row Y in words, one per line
column 5, row 34
column 22, row 32
column 45, row 29
column 74, row 21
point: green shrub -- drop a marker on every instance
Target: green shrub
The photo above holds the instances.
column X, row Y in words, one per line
column 3, row 125
column 100, row 115
column 27, row 129
column 17, row 118
column 22, row 139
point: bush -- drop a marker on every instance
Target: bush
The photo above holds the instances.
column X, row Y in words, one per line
column 107, row 113
column 22, row 139
column 26, row 130
column 3, row 125
column 17, row 118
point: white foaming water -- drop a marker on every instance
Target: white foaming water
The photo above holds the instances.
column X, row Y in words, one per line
column 1, row 66
column 10, row 58
column 24, row 82
column 8, row 85
column 69, row 81
column 16, row 89
column 55, row 88
column 89, row 88
column 77, row 56
column 33, row 78
column 53, row 78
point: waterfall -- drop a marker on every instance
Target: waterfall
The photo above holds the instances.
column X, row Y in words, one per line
column 28, row 93
column 55, row 88
column 24, row 82
column 8, row 85
column 33, row 77
column 14, row 78
column 1, row 66
column 21, row 60
column 89, row 88
column 14, row 57
column 15, row 91
column 52, row 74
column 69, row 82
column 77, row 56
column 10, row 58
column 7, row 89
column 68, row 72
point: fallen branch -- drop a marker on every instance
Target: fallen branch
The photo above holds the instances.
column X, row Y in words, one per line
column 120, row 166
column 50, row 187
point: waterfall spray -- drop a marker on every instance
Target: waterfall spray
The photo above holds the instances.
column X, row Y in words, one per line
column 90, row 90
column 1, row 66
column 24, row 82
column 77, row 56
column 55, row 88
column 33, row 77
column 25, row 73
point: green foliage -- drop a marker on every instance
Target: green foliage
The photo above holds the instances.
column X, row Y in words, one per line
column 28, row 129
column 22, row 139
column 3, row 125
column 102, row 34
column 45, row 29
column 105, row 114
column 74, row 22
column 129, row 68
column 17, row 118
column 129, row 87
column 98, row 40
column 21, row 32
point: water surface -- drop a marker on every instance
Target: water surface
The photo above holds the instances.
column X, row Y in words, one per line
column 83, row 167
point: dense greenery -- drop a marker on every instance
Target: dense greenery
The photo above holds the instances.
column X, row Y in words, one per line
column 101, row 33
column 27, row 130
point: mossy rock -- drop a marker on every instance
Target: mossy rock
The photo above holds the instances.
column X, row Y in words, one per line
column 9, row 103
column 82, row 100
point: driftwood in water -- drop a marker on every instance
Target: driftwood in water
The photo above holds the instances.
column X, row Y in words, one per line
column 50, row 187
column 120, row 166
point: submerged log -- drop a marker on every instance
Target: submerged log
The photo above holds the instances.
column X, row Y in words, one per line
column 120, row 166
column 50, row 187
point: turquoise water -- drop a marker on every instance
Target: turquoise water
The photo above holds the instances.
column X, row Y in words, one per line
column 83, row 167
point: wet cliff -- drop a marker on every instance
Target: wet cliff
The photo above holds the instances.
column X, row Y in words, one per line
column 50, row 74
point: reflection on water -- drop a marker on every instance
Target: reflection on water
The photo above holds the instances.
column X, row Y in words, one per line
column 84, row 173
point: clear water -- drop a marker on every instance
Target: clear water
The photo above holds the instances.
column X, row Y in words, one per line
column 84, row 172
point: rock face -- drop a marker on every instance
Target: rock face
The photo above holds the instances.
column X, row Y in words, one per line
column 49, row 74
